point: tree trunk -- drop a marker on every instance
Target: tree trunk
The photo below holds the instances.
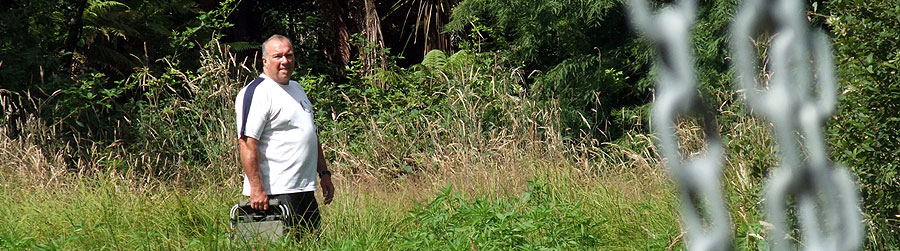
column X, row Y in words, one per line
column 373, row 57
column 75, row 27
column 339, row 51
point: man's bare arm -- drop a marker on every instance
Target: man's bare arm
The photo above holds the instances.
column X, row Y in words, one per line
column 250, row 161
column 327, row 186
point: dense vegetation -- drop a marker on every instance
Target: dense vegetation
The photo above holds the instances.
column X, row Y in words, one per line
column 532, row 112
column 866, row 131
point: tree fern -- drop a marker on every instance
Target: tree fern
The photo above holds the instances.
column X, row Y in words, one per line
column 104, row 18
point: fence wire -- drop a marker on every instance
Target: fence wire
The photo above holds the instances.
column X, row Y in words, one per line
column 798, row 96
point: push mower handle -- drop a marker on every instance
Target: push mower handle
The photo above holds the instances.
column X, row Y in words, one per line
column 246, row 203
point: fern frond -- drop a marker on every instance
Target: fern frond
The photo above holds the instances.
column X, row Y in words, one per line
column 242, row 46
column 434, row 60
column 90, row 31
column 114, row 31
column 99, row 7
column 459, row 58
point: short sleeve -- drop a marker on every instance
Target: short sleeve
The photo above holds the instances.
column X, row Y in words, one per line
column 251, row 122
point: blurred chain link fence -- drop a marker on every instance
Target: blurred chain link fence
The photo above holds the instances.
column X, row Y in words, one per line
column 797, row 98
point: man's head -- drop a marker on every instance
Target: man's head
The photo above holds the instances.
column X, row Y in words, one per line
column 278, row 58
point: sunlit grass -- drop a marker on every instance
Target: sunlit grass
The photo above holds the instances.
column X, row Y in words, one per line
column 113, row 213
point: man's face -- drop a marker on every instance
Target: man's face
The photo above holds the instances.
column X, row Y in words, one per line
column 279, row 63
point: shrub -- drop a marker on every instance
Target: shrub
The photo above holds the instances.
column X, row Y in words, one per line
column 866, row 129
column 583, row 54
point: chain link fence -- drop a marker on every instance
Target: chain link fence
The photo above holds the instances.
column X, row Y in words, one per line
column 806, row 194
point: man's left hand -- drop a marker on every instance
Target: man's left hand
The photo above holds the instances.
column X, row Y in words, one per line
column 327, row 189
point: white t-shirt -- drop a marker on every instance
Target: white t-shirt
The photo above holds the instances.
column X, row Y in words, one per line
column 281, row 119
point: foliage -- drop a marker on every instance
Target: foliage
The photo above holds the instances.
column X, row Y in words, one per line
column 867, row 125
column 587, row 93
column 120, row 36
column 105, row 22
column 584, row 54
column 558, row 47
column 157, row 123
column 304, row 24
column 159, row 120
column 89, row 98
column 203, row 30
column 541, row 34
column 90, row 101
column 386, row 100
column 31, row 32
column 109, row 212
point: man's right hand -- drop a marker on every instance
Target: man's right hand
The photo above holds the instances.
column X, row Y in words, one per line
column 259, row 200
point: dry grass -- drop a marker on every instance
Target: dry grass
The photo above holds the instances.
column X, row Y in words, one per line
column 28, row 160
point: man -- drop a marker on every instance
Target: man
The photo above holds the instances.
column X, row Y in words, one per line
column 280, row 151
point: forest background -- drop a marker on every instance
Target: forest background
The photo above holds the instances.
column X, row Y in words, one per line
column 449, row 123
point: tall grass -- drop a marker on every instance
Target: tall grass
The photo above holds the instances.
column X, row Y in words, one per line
column 112, row 212
column 490, row 171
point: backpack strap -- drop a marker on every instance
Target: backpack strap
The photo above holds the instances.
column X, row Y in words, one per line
column 248, row 99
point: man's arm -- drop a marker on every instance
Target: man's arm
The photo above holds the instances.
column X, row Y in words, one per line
column 327, row 186
column 250, row 161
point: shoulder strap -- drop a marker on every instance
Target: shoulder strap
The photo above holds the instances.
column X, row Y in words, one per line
column 248, row 99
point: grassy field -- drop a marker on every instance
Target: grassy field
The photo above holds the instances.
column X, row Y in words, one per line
column 525, row 203
column 514, row 188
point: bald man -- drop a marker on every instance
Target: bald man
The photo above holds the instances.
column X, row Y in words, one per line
column 280, row 151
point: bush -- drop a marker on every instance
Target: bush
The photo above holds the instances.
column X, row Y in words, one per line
column 866, row 129
column 562, row 50
column 583, row 54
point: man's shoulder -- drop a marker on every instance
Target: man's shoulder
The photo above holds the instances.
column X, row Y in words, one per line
column 298, row 85
column 258, row 84
column 260, row 80
column 255, row 88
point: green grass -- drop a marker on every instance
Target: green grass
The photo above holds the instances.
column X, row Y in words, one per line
column 541, row 218
column 556, row 209
column 107, row 213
